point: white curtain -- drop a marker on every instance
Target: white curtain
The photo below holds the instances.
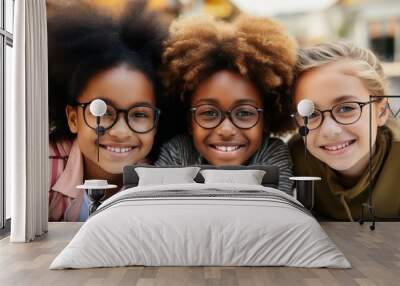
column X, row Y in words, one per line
column 27, row 124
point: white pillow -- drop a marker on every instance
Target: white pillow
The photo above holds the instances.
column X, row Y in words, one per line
column 248, row 177
column 162, row 176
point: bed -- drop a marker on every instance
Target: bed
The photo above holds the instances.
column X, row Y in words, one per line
column 200, row 224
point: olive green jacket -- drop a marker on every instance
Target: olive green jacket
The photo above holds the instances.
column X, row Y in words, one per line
column 331, row 204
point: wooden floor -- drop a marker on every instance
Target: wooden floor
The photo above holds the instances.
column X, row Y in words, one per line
column 375, row 257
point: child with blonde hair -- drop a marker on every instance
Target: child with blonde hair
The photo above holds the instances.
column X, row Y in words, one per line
column 340, row 78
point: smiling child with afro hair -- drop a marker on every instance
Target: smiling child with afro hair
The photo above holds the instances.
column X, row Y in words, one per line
column 256, row 52
column 258, row 49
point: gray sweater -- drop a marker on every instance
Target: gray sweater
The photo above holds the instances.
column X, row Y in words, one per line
column 273, row 151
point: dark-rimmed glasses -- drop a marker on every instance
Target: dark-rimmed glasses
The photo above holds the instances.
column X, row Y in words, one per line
column 243, row 116
column 140, row 118
column 344, row 113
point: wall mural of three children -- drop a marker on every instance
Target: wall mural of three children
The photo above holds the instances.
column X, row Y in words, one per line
column 218, row 93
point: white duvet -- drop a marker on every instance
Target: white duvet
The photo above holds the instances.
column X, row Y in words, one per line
column 201, row 224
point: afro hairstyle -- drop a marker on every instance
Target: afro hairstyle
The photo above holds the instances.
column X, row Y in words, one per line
column 259, row 50
column 83, row 41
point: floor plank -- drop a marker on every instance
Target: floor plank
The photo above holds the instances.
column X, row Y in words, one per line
column 374, row 255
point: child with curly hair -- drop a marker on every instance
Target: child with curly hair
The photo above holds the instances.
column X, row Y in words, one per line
column 339, row 78
column 232, row 80
column 93, row 56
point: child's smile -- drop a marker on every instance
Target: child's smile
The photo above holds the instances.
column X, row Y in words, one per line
column 343, row 147
column 227, row 151
column 226, row 143
column 122, row 88
column 338, row 147
column 117, row 150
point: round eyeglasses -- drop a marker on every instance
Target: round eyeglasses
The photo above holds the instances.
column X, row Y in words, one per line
column 243, row 116
column 140, row 118
column 345, row 113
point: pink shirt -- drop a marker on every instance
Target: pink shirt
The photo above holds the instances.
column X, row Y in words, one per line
column 66, row 172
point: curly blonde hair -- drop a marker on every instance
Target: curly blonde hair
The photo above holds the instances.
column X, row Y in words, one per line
column 259, row 50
